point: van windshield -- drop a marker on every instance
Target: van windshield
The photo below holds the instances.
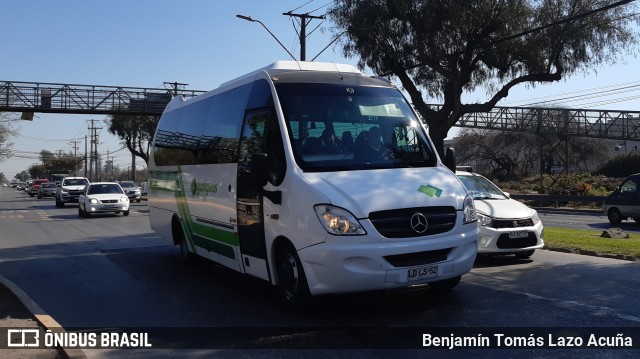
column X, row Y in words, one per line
column 341, row 127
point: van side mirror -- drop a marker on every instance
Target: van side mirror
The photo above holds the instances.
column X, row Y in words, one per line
column 450, row 159
column 258, row 168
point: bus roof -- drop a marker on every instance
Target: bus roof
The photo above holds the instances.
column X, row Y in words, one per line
column 286, row 66
column 273, row 69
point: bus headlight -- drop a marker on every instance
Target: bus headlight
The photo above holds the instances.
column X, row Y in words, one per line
column 338, row 221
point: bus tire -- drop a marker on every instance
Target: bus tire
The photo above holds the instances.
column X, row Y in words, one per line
column 292, row 282
column 180, row 239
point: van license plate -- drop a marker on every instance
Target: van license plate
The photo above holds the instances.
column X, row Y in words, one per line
column 419, row 273
column 519, row 234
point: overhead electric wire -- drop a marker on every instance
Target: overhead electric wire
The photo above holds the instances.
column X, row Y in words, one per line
column 603, row 93
column 305, row 4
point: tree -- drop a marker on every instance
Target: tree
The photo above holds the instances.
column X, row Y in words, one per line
column 622, row 166
column 135, row 132
column 60, row 163
column 22, row 176
column 449, row 47
column 6, row 131
column 509, row 155
column 38, row 171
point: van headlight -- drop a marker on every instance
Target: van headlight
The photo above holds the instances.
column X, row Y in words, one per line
column 469, row 210
column 338, row 221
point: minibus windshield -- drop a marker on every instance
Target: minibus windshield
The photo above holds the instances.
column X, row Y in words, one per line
column 340, row 127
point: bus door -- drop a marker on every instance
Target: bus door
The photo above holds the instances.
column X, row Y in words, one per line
column 249, row 198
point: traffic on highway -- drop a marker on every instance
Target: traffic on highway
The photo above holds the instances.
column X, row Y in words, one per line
column 111, row 271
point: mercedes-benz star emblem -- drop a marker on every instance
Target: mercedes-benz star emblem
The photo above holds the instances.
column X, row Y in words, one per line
column 419, row 223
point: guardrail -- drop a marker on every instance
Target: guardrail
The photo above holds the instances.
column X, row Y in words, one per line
column 559, row 198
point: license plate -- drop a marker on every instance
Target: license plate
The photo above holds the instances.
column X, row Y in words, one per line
column 419, row 273
column 518, row 234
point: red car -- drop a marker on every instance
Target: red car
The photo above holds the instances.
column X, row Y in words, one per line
column 35, row 185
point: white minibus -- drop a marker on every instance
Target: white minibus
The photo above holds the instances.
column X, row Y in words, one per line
column 311, row 176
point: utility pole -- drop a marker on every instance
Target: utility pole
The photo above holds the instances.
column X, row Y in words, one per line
column 305, row 19
column 86, row 156
column 94, row 151
column 75, row 156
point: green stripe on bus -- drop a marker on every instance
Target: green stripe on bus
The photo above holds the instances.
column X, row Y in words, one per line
column 215, row 234
column 214, row 246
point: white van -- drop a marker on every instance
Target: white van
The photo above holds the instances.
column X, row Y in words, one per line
column 313, row 177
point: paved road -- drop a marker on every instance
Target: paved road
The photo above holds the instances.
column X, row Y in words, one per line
column 582, row 220
column 113, row 272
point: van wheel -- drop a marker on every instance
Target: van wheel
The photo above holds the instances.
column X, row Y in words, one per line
column 614, row 216
column 59, row 203
column 187, row 257
column 80, row 212
column 125, row 213
column 180, row 238
column 292, row 282
column 447, row 284
column 525, row 254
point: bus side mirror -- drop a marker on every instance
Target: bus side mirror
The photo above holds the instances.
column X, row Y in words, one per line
column 450, row 159
column 258, row 168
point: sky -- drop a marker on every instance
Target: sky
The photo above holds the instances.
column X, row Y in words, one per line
column 143, row 43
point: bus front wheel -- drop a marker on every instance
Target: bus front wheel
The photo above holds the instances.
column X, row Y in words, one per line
column 292, row 282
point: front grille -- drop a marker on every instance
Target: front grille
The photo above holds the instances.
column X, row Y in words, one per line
column 504, row 242
column 110, row 201
column 418, row 258
column 396, row 223
column 76, row 192
column 512, row 223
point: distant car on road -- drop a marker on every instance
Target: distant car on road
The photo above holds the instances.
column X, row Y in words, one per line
column 103, row 197
column 35, row 186
column 70, row 190
column 131, row 190
column 47, row 189
column 624, row 202
column 506, row 225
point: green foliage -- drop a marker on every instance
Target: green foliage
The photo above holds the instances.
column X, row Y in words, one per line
column 55, row 163
column 449, row 47
column 622, row 166
column 572, row 183
column 135, row 132
column 578, row 240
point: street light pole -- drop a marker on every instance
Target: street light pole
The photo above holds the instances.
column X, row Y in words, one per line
column 248, row 18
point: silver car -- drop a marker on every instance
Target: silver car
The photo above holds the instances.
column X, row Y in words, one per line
column 47, row 189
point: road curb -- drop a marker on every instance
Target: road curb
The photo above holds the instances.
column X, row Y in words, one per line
column 592, row 253
column 44, row 319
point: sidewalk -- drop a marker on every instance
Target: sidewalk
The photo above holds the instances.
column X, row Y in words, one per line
column 17, row 311
column 14, row 315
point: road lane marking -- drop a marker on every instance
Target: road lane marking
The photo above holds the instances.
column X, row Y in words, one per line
column 567, row 304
